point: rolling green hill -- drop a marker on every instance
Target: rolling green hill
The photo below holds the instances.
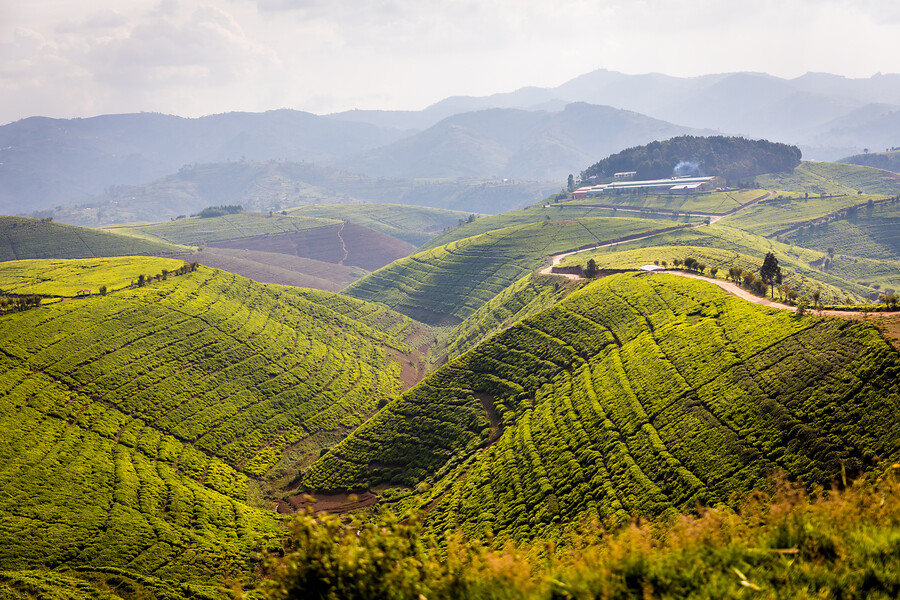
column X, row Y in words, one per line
column 716, row 203
column 832, row 179
column 141, row 428
column 24, row 238
column 889, row 161
column 197, row 231
column 636, row 395
column 413, row 224
column 868, row 233
column 722, row 246
column 447, row 284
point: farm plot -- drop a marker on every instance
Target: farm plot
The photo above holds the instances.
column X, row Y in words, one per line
column 632, row 396
column 449, row 283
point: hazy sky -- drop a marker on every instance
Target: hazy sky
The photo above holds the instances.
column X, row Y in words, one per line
column 66, row 58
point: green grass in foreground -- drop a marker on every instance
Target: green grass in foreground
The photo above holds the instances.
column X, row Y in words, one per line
column 839, row 545
column 195, row 231
column 66, row 278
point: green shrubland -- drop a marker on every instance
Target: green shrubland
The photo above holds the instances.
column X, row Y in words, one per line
column 832, row 179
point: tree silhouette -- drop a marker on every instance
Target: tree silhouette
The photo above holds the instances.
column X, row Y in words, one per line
column 770, row 272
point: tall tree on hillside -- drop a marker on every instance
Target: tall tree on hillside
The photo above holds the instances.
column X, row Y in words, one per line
column 571, row 184
column 770, row 272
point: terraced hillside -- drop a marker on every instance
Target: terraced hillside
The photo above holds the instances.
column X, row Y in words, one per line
column 710, row 203
column 786, row 212
column 197, row 231
column 413, row 224
column 832, row 178
column 24, row 238
column 140, row 426
column 870, row 232
column 722, row 247
column 447, row 284
column 636, row 395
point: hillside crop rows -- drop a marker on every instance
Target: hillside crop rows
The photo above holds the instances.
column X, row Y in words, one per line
column 871, row 234
column 236, row 369
column 196, row 231
column 413, row 224
column 713, row 202
column 778, row 214
column 718, row 239
column 832, row 178
column 634, row 395
column 23, row 238
column 66, row 278
column 449, row 283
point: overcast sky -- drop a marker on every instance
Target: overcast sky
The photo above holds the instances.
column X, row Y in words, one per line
column 68, row 58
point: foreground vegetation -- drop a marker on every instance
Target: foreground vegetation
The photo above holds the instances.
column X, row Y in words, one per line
column 783, row 545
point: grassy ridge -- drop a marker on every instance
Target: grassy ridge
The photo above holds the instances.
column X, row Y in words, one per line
column 870, row 233
column 66, row 278
column 787, row 211
column 22, row 238
column 722, row 243
column 634, row 395
column 138, row 424
column 833, row 179
column 449, row 283
column 196, row 231
column 413, row 224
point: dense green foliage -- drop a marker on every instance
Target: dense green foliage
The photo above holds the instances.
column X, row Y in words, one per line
column 448, row 283
column 23, row 238
column 635, row 395
column 840, row 545
column 196, row 231
column 832, row 179
column 413, row 224
column 525, row 297
column 734, row 158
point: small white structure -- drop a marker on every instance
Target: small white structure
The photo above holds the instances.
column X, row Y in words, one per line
column 652, row 268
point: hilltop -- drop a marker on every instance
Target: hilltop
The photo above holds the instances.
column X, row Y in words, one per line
column 633, row 396
column 149, row 430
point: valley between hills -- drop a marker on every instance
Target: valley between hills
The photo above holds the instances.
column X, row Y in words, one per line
column 633, row 394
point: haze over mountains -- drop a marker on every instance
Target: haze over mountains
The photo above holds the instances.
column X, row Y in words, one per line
column 529, row 134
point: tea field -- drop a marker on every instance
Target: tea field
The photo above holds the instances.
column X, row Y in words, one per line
column 832, row 179
column 717, row 203
column 24, row 238
column 636, row 395
column 447, row 284
column 196, row 231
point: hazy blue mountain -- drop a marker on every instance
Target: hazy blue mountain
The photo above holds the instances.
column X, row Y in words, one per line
column 45, row 162
column 515, row 143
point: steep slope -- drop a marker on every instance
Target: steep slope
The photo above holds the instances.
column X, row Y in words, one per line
column 23, row 238
column 635, row 395
column 140, row 426
column 446, row 284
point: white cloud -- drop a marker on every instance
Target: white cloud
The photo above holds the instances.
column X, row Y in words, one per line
column 200, row 56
